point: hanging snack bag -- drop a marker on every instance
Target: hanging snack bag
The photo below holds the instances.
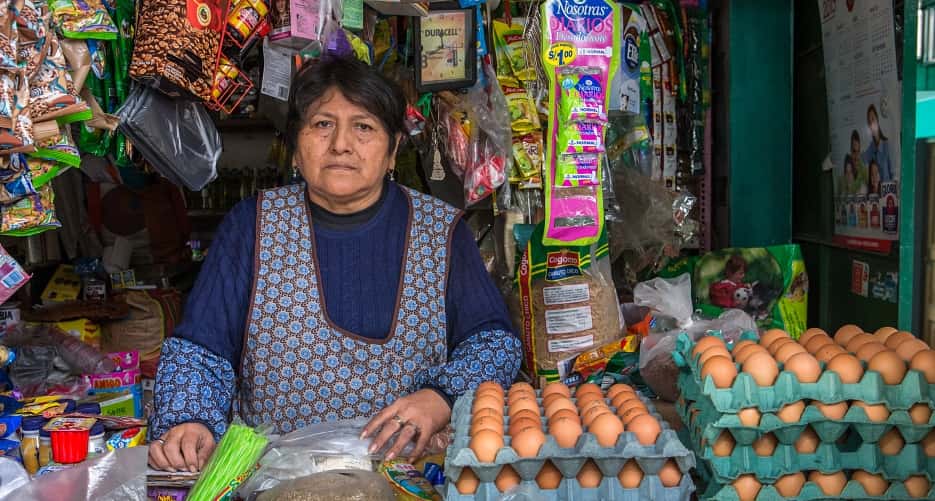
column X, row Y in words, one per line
column 582, row 96
column 52, row 93
column 9, row 39
column 523, row 115
column 16, row 126
column 176, row 46
column 244, row 19
column 564, row 302
column 12, row 277
column 32, row 23
column 512, row 48
column 527, row 157
column 581, row 137
column 83, row 19
column 60, row 148
column 577, row 170
column 42, row 171
column 31, row 215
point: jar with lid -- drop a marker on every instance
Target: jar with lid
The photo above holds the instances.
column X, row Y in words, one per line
column 29, row 447
column 96, row 440
column 45, row 448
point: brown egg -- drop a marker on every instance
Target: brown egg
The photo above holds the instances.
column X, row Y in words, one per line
column 705, row 343
column 525, row 413
column 713, row 351
column 829, row 351
column 808, row 441
column 779, row 343
column 548, row 477
column 723, row 446
column 790, row 485
column 585, row 401
column 804, row 366
column 832, row 411
column 631, row 475
column 749, row 416
column 623, row 398
column 874, row 485
column 467, row 482
column 547, row 401
column 487, row 423
column 739, row 345
column 518, row 425
column 487, row 400
column 765, row 445
column 762, row 367
column 891, row 367
column 485, row 445
column 669, row 474
column 846, row 333
column 859, row 340
column 490, row 391
column 817, row 342
column 867, row 351
column 920, row 413
column 883, row 333
column 891, row 443
column 897, row 339
column 522, row 386
column 928, row 444
column 564, row 413
column 566, row 432
column 606, row 428
column 721, row 369
column 847, row 367
column 587, row 388
column 878, row 412
column 558, row 405
column 909, row 349
column 590, row 475
column 556, row 388
column 507, row 479
column 809, row 334
column 917, row 486
column 528, row 441
column 924, row 362
column 632, row 413
column 646, row 428
column 792, row 412
column 488, row 386
column 830, row 483
column 787, row 350
column 617, row 389
column 629, row 403
column 747, row 487
column 512, row 398
column 771, row 336
column 741, row 355
column 524, row 404
column 488, row 412
column 591, row 414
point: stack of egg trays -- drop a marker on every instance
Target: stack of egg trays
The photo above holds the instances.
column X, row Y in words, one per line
column 785, row 459
column 569, row 462
column 787, row 389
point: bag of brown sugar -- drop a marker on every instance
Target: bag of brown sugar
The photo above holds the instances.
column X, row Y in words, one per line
column 563, row 302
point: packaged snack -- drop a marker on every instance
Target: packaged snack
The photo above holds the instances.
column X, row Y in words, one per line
column 233, row 459
column 581, row 137
column 9, row 40
column 407, row 481
column 79, row 60
column 577, row 170
column 126, row 439
column 582, row 96
column 52, row 93
column 17, row 189
column 61, row 149
column 31, row 215
column 523, row 115
column 512, row 44
column 244, row 19
column 32, row 23
column 69, row 438
column 83, row 19
column 295, row 23
column 527, row 157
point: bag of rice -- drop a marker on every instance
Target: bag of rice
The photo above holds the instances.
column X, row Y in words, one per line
column 563, row 303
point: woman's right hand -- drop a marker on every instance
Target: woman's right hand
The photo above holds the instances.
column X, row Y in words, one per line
column 185, row 447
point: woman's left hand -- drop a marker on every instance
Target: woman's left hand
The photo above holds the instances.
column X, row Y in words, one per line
column 416, row 416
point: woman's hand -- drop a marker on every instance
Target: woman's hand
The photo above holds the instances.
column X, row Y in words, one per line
column 184, row 447
column 416, row 416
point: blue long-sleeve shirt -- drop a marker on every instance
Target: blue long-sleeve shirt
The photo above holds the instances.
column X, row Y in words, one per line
column 360, row 258
column 881, row 154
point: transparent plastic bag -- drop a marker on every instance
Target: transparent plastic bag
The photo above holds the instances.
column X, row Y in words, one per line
column 523, row 492
column 12, row 476
column 177, row 137
column 119, row 475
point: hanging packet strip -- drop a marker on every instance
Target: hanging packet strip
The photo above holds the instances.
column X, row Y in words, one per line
column 577, row 170
column 512, row 48
column 523, row 115
column 527, row 157
column 83, row 19
column 576, row 34
column 582, row 96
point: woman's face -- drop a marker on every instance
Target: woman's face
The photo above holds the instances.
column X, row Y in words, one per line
column 343, row 153
column 873, row 122
column 855, row 147
column 874, row 174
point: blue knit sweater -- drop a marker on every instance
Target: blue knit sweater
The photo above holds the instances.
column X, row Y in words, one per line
column 360, row 258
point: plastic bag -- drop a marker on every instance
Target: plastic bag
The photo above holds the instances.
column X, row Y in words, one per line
column 523, row 492
column 12, row 476
column 176, row 136
column 116, row 476
column 347, row 485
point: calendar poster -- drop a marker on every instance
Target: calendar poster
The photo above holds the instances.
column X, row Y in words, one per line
column 864, row 108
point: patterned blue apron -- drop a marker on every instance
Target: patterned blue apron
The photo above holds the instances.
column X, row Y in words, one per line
column 299, row 368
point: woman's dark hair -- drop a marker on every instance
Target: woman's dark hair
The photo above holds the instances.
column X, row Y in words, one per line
column 873, row 108
column 855, row 136
column 358, row 83
column 848, row 161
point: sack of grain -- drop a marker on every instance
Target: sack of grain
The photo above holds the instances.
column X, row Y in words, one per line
column 563, row 303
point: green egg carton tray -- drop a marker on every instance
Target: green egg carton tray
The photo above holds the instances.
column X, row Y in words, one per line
column 715, row 422
column 745, row 392
column 569, row 490
column 650, row 458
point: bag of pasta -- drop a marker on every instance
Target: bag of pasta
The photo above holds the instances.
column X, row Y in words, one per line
column 563, row 303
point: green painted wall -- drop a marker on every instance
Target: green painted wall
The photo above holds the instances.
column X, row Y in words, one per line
column 760, row 117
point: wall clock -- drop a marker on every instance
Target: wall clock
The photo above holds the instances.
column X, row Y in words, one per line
column 446, row 48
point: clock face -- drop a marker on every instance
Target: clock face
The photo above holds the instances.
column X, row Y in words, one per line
column 443, row 46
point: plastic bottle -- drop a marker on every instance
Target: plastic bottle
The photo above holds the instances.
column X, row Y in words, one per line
column 29, row 447
column 45, row 448
column 96, row 440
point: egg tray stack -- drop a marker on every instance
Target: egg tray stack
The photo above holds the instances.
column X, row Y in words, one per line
column 709, row 411
column 569, row 462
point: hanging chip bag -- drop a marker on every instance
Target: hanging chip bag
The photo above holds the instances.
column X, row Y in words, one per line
column 512, row 43
column 42, row 171
column 582, row 95
column 83, row 19
column 527, row 157
column 60, row 148
column 523, row 115
column 9, row 39
column 52, row 93
column 31, row 215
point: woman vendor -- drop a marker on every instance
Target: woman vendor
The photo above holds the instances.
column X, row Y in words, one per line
column 345, row 296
